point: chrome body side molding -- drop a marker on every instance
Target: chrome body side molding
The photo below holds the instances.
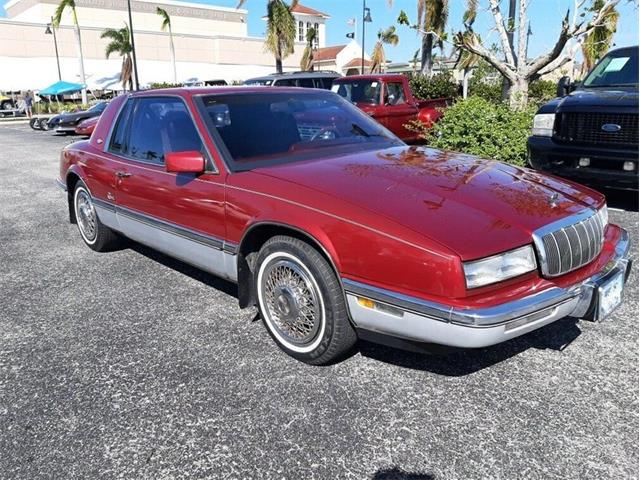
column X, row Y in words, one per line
column 206, row 252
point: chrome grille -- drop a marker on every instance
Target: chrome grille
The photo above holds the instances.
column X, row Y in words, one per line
column 570, row 246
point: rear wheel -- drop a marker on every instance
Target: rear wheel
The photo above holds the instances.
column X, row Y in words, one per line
column 44, row 124
column 95, row 234
column 6, row 105
column 301, row 301
column 34, row 123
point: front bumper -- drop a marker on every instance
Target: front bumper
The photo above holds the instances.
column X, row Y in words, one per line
column 415, row 320
column 606, row 167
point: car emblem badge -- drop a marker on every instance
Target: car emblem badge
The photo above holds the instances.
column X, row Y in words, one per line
column 553, row 199
column 610, row 128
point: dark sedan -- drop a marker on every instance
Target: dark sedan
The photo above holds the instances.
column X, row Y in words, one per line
column 67, row 122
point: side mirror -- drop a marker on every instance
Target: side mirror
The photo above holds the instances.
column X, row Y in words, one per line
column 564, row 86
column 184, row 162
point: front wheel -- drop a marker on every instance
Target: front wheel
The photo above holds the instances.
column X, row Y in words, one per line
column 35, row 123
column 44, row 124
column 301, row 301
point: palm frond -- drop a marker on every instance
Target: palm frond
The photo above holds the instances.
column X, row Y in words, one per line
column 166, row 20
column 62, row 6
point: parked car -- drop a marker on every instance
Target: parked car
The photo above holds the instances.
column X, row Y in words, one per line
column 86, row 127
column 590, row 132
column 319, row 79
column 335, row 228
column 388, row 99
column 67, row 122
column 7, row 103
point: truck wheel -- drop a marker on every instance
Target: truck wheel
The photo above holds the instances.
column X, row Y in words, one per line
column 95, row 234
column 301, row 301
column 6, row 105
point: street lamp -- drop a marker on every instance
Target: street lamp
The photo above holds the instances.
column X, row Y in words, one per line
column 366, row 18
column 51, row 30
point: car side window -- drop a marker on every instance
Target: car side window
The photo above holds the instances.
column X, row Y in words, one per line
column 118, row 143
column 161, row 125
column 305, row 82
column 395, row 94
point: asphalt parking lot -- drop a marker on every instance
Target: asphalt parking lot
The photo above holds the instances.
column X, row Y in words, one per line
column 132, row 365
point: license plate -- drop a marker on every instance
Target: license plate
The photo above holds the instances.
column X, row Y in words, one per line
column 610, row 295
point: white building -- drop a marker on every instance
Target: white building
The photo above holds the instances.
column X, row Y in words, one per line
column 211, row 42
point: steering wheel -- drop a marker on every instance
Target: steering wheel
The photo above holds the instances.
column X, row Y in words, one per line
column 326, row 133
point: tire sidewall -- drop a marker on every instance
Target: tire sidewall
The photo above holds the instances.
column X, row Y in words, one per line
column 290, row 251
column 81, row 187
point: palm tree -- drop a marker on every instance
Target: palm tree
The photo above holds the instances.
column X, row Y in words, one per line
column 166, row 25
column 306, row 63
column 599, row 40
column 432, row 16
column 57, row 18
column 281, row 29
column 121, row 43
column 378, row 57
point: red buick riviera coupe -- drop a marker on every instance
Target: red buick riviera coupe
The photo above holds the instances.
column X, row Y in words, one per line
column 336, row 229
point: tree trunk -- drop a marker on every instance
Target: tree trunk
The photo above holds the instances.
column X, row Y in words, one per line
column 465, row 82
column 519, row 93
column 83, row 80
column 278, row 56
column 173, row 57
column 427, row 55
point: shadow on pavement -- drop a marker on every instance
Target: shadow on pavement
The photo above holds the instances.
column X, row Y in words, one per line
column 395, row 473
column 208, row 279
column 555, row 336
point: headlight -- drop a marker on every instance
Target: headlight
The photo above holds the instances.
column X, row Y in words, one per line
column 499, row 267
column 543, row 124
column 603, row 215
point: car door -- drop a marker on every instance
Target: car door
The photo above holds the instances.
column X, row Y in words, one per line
column 179, row 214
column 398, row 111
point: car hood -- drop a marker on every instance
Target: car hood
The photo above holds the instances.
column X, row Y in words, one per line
column 472, row 206
column 596, row 97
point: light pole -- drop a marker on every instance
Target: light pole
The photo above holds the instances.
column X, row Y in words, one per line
column 366, row 18
column 52, row 30
column 133, row 49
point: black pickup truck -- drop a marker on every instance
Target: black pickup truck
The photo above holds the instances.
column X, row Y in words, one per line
column 590, row 132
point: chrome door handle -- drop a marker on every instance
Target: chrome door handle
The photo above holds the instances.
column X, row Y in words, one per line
column 122, row 174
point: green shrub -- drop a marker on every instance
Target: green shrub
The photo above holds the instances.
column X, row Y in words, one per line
column 541, row 91
column 156, row 85
column 491, row 91
column 440, row 85
column 479, row 127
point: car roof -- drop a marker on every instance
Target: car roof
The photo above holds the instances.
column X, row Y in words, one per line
column 386, row 76
column 279, row 76
column 224, row 90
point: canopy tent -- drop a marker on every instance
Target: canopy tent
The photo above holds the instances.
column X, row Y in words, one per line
column 61, row 87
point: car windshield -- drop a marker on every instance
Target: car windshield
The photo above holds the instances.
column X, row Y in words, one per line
column 261, row 129
column 264, row 82
column 617, row 69
column 359, row 91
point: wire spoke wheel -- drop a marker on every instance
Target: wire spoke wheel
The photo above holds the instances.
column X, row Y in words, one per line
column 86, row 215
column 292, row 301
